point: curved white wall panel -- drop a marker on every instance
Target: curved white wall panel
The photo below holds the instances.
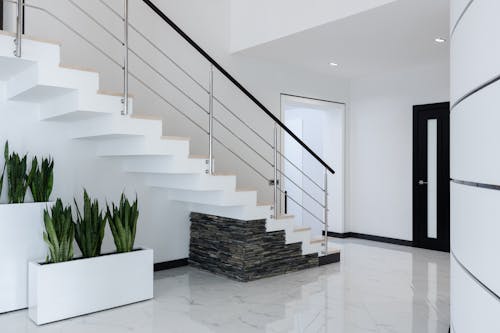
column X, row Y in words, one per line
column 475, row 158
column 475, row 213
column 473, row 308
column 475, row 137
column 475, row 48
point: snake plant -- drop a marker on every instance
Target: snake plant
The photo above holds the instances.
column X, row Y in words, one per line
column 89, row 227
column 123, row 223
column 6, row 154
column 41, row 179
column 16, row 175
column 59, row 233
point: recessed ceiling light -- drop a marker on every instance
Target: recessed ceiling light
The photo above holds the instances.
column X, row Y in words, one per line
column 440, row 40
column 334, row 64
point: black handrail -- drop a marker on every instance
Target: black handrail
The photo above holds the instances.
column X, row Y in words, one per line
column 234, row 81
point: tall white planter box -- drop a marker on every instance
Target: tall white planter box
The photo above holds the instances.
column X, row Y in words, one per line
column 82, row 286
column 21, row 240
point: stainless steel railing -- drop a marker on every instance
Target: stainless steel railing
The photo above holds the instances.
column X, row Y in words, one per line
column 260, row 150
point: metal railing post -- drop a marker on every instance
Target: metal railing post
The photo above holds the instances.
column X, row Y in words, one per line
column 19, row 28
column 125, row 111
column 326, row 212
column 211, row 122
column 276, row 193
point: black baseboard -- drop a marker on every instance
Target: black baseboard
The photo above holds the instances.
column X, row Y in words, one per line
column 329, row 259
column 370, row 237
column 338, row 234
column 161, row 266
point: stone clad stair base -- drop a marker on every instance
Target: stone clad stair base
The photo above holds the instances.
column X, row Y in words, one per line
column 243, row 250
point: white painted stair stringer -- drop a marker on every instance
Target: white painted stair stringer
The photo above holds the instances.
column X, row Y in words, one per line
column 71, row 95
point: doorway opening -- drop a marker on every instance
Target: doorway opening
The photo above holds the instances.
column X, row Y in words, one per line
column 431, row 176
column 320, row 124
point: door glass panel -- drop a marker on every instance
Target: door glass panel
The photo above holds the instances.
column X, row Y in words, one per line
column 432, row 178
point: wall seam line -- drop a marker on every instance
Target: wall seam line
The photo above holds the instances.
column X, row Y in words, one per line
column 485, row 287
column 475, row 90
column 474, row 184
column 460, row 18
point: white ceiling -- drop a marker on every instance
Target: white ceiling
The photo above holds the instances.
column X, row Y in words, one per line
column 390, row 38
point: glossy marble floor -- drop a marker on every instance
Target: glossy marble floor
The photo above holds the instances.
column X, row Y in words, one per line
column 377, row 288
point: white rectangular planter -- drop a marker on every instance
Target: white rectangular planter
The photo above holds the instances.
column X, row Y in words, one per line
column 73, row 288
column 21, row 240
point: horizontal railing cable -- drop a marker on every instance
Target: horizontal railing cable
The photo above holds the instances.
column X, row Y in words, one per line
column 242, row 121
column 241, row 158
column 243, row 141
column 156, row 47
column 168, row 80
column 302, row 189
column 168, row 102
column 301, row 171
column 301, row 206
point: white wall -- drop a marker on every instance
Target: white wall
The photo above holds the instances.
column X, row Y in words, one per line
column 255, row 22
column 380, row 148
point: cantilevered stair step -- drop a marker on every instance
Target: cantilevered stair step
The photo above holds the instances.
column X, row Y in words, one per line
column 244, row 213
column 298, row 234
column 140, row 147
column 116, row 126
column 34, row 49
column 80, row 105
column 196, row 182
column 215, row 198
column 40, row 83
column 164, row 165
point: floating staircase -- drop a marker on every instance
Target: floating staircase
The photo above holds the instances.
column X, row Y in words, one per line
column 71, row 95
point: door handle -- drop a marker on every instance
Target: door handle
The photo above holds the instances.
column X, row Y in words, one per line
column 421, row 182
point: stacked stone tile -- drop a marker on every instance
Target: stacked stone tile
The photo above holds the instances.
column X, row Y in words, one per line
column 243, row 250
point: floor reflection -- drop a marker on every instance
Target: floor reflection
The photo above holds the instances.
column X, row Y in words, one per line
column 376, row 288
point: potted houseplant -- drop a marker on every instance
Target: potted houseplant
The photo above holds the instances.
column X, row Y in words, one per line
column 95, row 281
column 21, row 226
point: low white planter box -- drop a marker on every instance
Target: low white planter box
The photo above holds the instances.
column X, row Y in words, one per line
column 82, row 286
column 21, row 240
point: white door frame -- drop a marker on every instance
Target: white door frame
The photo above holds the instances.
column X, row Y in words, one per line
column 344, row 157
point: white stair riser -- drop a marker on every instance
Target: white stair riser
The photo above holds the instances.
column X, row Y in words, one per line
column 163, row 165
column 117, row 126
column 79, row 105
column 48, row 54
column 142, row 147
column 298, row 236
column 192, row 182
column 247, row 213
column 217, row 198
column 40, row 83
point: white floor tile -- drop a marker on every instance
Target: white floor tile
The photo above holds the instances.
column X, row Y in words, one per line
column 376, row 288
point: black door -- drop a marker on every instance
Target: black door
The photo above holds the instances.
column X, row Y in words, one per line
column 431, row 176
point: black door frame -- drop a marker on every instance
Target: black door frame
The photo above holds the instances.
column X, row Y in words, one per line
column 443, row 186
column 1, row 14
